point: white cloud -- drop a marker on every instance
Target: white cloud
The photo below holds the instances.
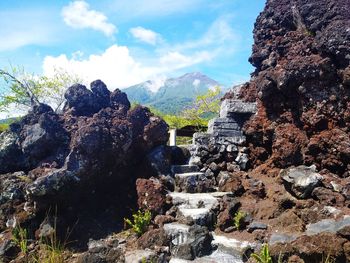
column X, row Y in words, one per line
column 119, row 69
column 78, row 14
column 145, row 35
column 196, row 82
column 156, row 83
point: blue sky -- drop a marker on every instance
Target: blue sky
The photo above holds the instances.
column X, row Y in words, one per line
column 124, row 42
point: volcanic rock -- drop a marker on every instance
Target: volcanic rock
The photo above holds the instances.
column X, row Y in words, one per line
column 301, row 180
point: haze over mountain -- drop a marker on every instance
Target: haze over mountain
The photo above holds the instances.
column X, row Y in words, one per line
column 171, row 95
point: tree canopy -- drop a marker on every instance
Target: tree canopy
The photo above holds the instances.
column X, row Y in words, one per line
column 24, row 90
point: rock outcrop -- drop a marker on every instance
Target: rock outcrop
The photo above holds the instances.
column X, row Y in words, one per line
column 301, row 54
column 93, row 152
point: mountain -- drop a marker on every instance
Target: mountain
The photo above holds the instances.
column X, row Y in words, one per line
column 172, row 95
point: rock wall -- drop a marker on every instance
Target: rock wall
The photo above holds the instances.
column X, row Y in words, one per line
column 302, row 84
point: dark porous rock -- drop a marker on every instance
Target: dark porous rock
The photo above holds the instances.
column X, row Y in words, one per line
column 8, row 250
column 107, row 250
column 119, row 101
column 81, row 101
column 9, row 151
column 199, row 245
column 151, row 195
column 102, row 94
column 149, row 131
column 228, row 207
column 159, row 160
column 180, row 155
column 301, row 180
column 256, row 226
column 79, row 161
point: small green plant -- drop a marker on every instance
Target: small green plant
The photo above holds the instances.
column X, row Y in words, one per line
column 263, row 256
column 20, row 237
column 141, row 221
column 238, row 220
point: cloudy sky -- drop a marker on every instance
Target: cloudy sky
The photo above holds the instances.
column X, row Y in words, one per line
column 125, row 42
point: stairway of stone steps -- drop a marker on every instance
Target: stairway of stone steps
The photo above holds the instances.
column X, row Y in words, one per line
column 196, row 195
column 197, row 208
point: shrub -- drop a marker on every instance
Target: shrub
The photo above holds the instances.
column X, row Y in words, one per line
column 238, row 220
column 20, row 237
column 141, row 221
column 263, row 256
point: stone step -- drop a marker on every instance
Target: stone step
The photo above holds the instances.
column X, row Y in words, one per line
column 179, row 233
column 227, row 133
column 197, row 206
column 232, row 108
column 229, row 250
column 201, row 138
column 178, row 169
column 223, row 123
column 194, row 183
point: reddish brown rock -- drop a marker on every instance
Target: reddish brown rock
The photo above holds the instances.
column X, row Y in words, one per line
column 153, row 238
column 160, row 220
column 301, row 85
column 233, row 184
column 313, row 248
column 328, row 197
column 151, row 195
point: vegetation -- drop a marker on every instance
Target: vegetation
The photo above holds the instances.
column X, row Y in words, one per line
column 238, row 220
column 205, row 107
column 141, row 221
column 23, row 90
column 263, row 256
column 5, row 124
column 20, row 237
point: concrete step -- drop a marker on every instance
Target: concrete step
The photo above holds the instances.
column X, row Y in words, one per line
column 231, row 108
column 197, row 206
column 178, row 169
column 194, row 183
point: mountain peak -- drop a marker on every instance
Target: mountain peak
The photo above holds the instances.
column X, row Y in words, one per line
column 172, row 94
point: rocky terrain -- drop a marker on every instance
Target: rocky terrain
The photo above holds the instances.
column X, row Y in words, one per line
column 273, row 167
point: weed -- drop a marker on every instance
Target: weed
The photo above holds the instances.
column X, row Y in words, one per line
column 141, row 221
column 238, row 220
column 20, row 237
column 264, row 256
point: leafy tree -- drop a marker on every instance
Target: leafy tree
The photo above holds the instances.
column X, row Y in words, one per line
column 24, row 90
column 204, row 107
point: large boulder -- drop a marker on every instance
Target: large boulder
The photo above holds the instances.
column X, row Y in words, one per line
column 301, row 180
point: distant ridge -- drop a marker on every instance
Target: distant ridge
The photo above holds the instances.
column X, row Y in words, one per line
column 173, row 94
